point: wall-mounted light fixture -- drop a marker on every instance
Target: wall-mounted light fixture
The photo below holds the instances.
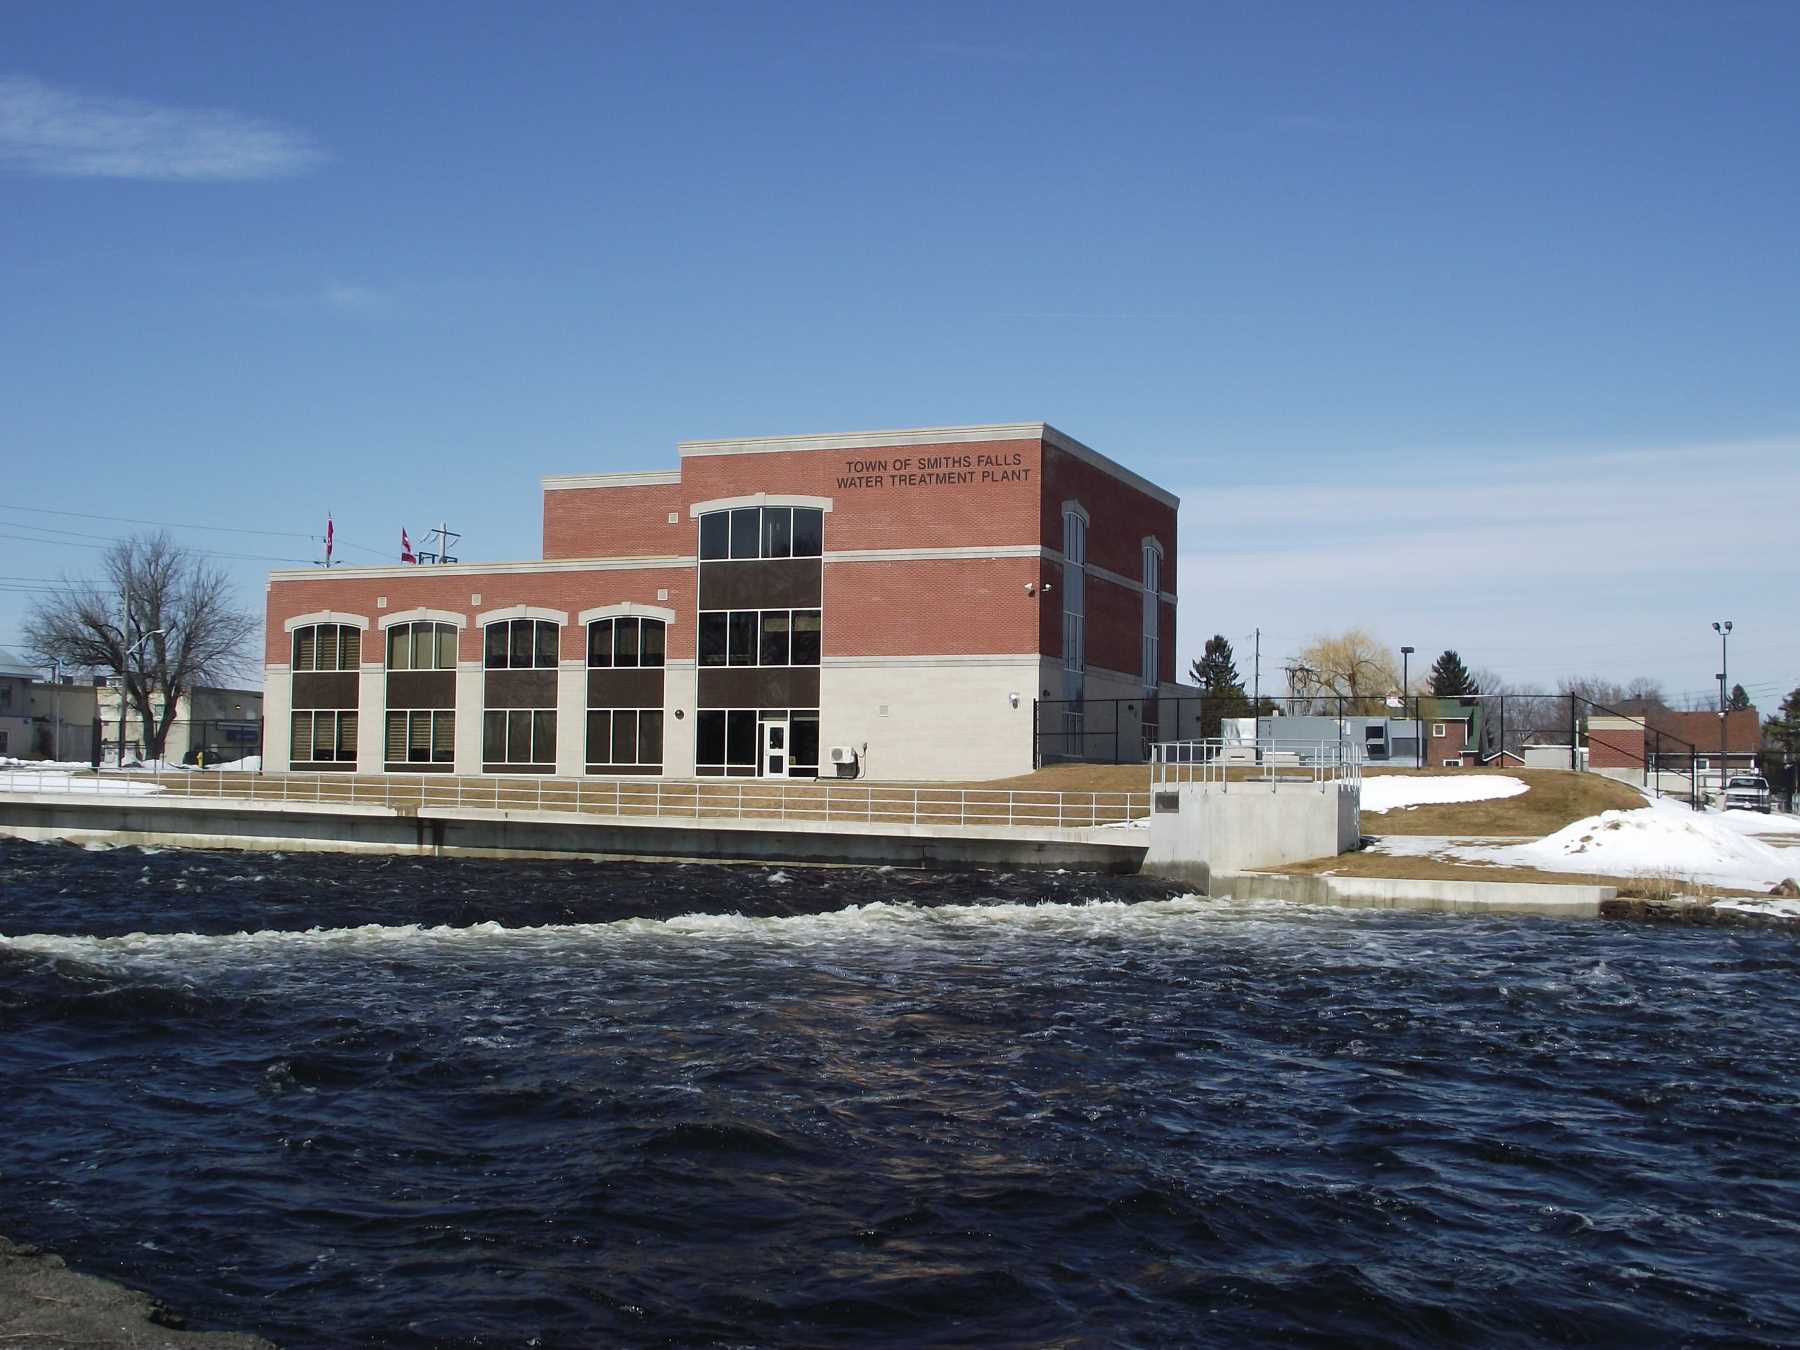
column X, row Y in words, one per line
column 1013, row 698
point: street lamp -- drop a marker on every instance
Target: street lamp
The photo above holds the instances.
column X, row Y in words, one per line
column 1405, row 689
column 1723, row 629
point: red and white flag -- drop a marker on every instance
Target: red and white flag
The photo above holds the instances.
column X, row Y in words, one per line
column 406, row 549
column 329, row 532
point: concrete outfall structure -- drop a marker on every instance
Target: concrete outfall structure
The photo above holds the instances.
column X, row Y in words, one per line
column 887, row 604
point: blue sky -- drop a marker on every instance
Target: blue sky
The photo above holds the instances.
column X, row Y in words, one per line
column 1474, row 324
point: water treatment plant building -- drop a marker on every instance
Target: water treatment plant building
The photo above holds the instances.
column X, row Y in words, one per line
column 881, row 604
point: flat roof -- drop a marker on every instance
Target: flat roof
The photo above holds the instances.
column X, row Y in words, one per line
column 868, row 440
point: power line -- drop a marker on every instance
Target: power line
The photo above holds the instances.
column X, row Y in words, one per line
column 176, row 525
column 76, row 543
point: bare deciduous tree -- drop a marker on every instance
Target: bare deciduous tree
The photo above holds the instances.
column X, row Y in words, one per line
column 1353, row 665
column 163, row 621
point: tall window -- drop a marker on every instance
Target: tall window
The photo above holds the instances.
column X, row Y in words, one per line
column 519, row 736
column 625, row 643
column 762, row 532
column 421, row 725
column 760, row 637
column 323, row 737
column 626, row 740
column 1152, row 612
column 520, row 644
column 421, row 736
column 327, row 646
column 421, row 646
column 1075, row 525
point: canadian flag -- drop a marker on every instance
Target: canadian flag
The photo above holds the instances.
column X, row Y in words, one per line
column 329, row 532
column 406, row 549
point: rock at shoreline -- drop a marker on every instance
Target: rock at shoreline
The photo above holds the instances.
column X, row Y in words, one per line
column 46, row 1306
column 1788, row 887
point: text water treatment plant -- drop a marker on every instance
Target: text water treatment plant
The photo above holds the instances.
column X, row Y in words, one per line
column 344, row 1101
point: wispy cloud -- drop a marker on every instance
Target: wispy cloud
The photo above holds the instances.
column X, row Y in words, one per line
column 1608, row 559
column 46, row 129
column 349, row 299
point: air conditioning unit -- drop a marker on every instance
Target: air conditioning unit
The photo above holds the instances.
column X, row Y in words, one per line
column 843, row 754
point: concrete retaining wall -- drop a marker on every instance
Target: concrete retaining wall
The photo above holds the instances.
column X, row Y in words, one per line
column 299, row 826
column 1546, row 899
column 1228, row 827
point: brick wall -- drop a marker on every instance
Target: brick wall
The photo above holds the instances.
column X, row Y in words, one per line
column 936, row 607
column 618, row 522
column 1120, row 518
column 1616, row 748
column 434, row 588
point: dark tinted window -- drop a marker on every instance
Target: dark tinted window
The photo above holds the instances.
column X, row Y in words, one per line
column 805, row 754
column 809, row 532
column 715, row 534
column 495, row 648
column 745, row 532
column 806, row 637
column 740, row 738
column 709, row 738
column 625, row 649
column 655, row 635
column 742, row 638
column 650, row 729
column 600, row 642
column 521, row 645
column 546, row 646
column 774, row 648
column 777, row 532
column 712, row 639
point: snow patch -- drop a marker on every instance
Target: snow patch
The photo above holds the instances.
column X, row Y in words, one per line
column 1662, row 838
column 1391, row 792
column 19, row 780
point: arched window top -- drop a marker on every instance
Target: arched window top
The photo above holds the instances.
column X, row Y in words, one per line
column 555, row 616
column 627, row 608
column 319, row 616
column 326, row 646
column 419, row 644
column 627, row 642
column 762, row 527
column 450, row 617
column 521, row 644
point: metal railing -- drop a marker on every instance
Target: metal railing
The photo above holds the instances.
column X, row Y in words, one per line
column 632, row 799
column 1270, row 762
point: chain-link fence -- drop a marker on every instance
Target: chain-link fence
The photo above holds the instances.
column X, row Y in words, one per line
column 1552, row 731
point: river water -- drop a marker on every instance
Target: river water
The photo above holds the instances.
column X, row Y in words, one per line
column 347, row 1102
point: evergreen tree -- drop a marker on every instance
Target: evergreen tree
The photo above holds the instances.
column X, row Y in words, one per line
column 1739, row 700
column 1450, row 678
column 1782, row 732
column 1216, row 671
column 1222, row 692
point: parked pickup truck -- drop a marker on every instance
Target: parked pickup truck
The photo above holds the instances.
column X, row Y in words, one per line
column 1747, row 792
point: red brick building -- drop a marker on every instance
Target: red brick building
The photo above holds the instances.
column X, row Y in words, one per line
column 901, row 598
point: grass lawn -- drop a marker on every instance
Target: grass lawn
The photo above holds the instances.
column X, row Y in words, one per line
column 1438, row 869
column 1556, row 798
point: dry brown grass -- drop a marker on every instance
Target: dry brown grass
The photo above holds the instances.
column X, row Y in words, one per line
column 1657, row 887
column 1556, row 798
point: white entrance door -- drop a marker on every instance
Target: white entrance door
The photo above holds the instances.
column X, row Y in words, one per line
column 775, row 749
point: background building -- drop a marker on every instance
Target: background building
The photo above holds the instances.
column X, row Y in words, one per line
column 899, row 598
